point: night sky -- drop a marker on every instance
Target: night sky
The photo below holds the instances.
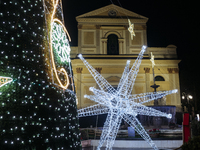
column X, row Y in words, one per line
column 170, row 22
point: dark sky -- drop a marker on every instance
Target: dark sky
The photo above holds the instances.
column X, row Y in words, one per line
column 170, row 22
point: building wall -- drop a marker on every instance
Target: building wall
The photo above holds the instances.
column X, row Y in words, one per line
column 93, row 35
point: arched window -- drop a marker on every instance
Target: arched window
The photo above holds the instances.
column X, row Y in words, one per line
column 113, row 45
column 159, row 78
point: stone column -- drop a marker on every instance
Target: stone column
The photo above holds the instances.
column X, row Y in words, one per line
column 78, row 88
column 127, row 34
column 171, row 86
column 104, row 46
column 121, row 41
column 98, row 39
column 79, row 38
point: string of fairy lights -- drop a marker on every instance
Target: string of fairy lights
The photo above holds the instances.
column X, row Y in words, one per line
column 120, row 104
column 35, row 110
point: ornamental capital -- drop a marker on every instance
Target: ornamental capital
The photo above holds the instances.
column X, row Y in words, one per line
column 79, row 70
column 170, row 70
column 99, row 70
column 147, row 70
column 80, row 26
column 176, row 70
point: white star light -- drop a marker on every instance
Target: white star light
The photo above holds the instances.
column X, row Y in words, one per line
column 131, row 29
column 120, row 104
column 152, row 60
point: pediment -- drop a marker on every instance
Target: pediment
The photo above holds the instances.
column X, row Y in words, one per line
column 104, row 12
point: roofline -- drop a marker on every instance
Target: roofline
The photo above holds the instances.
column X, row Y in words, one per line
column 102, row 9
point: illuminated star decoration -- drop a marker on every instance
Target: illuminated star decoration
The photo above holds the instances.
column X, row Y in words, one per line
column 120, row 104
column 131, row 29
column 152, row 60
column 5, row 80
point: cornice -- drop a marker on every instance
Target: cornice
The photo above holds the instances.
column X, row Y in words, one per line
column 109, row 7
column 109, row 20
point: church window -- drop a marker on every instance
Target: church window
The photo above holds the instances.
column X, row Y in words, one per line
column 113, row 45
column 159, row 78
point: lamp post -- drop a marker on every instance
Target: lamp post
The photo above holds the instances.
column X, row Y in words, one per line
column 187, row 101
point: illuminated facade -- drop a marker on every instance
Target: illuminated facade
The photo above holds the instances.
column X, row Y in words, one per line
column 105, row 42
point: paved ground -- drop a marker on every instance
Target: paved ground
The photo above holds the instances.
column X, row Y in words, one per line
column 94, row 148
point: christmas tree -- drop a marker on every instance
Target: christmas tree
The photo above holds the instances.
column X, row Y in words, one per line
column 37, row 97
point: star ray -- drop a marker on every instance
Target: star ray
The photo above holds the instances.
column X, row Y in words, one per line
column 133, row 122
column 102, row 83
column 144, row 110
column 147, row 97
column 111, row 129
column 128, row 83
column 124, row 75
column 93, row 110
column 105, row 130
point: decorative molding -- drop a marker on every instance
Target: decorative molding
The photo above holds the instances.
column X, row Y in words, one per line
column 107, row 20
column 88, row 50
column 79, row 70
column 98, row 26
column 113, row 79
column 99, row 70
column 176, row 70
column 80, row 26
column 91, row 39
column 120, row 10
column 173, row 70
column 170, row 70
column 112, row 32
column 147, row 70
column 126, row 27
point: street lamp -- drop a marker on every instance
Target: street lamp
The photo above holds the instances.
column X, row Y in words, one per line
column 186, row 96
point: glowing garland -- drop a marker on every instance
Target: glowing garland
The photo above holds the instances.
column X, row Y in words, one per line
column 8, row 79
column 59, row 41
column 120, row 104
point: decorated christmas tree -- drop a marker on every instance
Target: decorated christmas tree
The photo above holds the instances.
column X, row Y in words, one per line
column 37, row 97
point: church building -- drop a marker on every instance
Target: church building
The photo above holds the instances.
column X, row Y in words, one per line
column 106, row 43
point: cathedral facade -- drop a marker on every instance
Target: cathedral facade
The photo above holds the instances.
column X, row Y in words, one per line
column 105, row 42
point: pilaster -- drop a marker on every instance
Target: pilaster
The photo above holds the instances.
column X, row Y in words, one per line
column 79, row 38
column 98, row 39
column 104, row 45
column 147, row 79
column 174, row 84
column 121, row 43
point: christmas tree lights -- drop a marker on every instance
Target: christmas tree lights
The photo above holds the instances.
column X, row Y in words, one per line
column 59, row 45
column 5, row 80
column 120, row 104
column 35, row 111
